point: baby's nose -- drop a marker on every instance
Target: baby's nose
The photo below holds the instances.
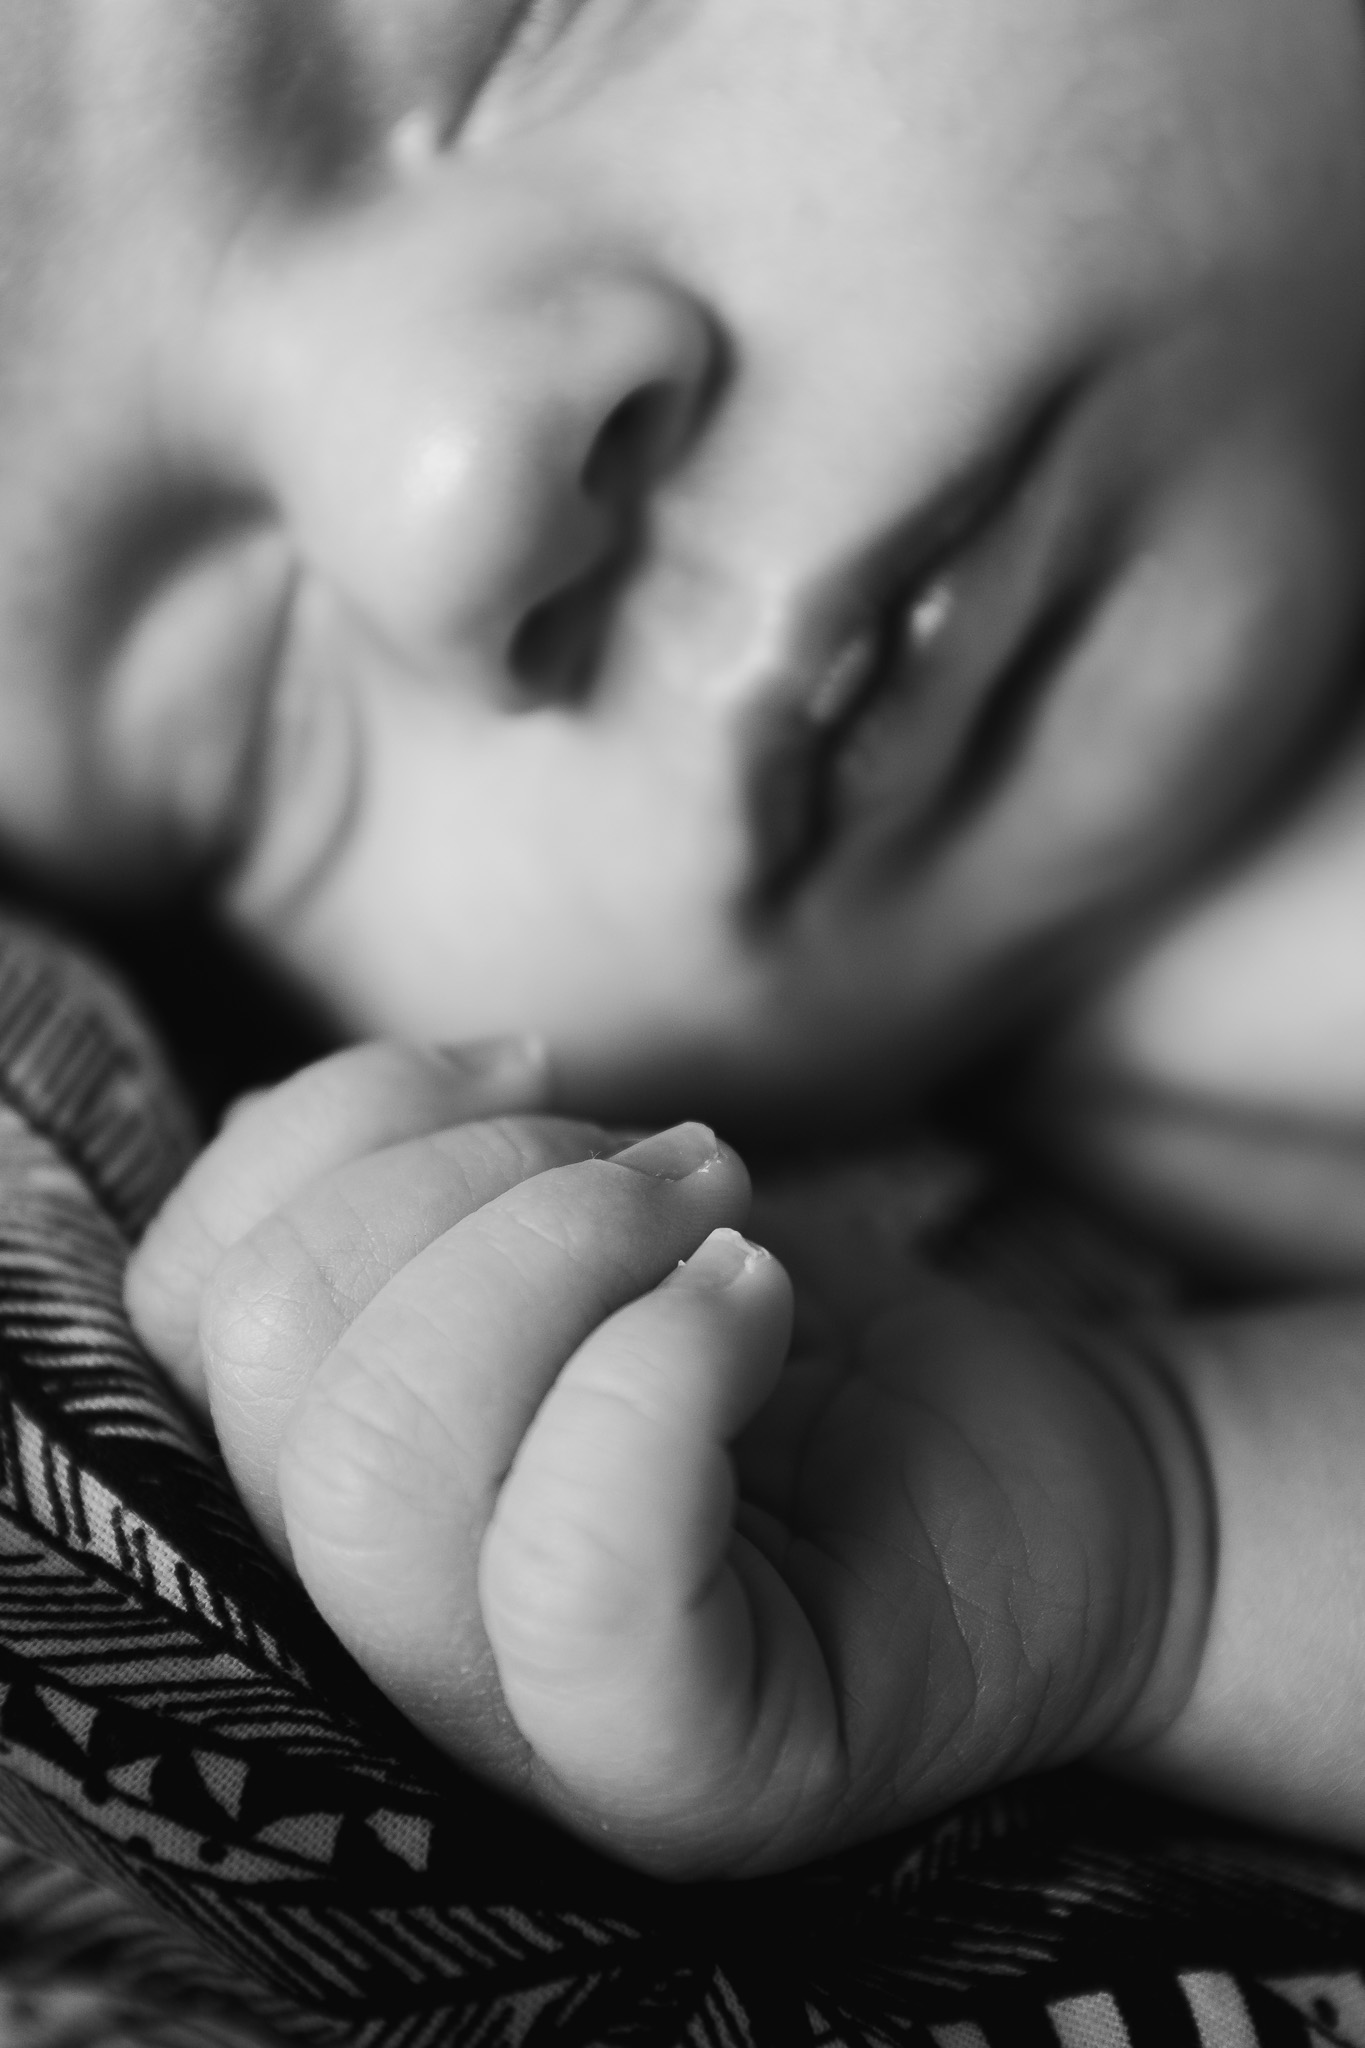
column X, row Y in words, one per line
column 467, row 459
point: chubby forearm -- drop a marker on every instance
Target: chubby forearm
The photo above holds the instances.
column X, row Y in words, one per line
column 1272, row 1722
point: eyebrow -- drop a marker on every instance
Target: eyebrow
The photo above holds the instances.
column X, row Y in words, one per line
column 319, row 83
column 276, row 87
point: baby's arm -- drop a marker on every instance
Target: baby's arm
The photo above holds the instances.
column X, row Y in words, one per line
column 1261, row 1706
column 465, row 1383
column 1274, row 1722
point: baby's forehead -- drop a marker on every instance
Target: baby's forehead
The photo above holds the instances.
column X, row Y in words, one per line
column 151, row 116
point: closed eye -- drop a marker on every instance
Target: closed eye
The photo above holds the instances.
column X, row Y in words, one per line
column 445, row 55
column 539, row 23
column 531, row 30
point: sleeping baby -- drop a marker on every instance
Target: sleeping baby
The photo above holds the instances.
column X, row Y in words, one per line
column 721, row 560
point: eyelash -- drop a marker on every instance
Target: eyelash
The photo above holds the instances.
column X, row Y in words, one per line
column 537, row 25
column 528, row 31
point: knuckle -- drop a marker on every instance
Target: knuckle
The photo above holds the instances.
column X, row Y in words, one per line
column 563, row 1243
column 260, row 1307
column 362, row 1437
column 512, row 1149
column 357, row 1240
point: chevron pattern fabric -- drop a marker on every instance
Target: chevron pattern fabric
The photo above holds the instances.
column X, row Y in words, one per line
column 221, row 1836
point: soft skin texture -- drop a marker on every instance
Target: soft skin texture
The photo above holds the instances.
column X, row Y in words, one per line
column 453, row 447
column 1215, row 1091
column 718, row 1598
column 459, row 457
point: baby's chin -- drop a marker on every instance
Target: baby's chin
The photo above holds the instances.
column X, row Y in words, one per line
column 766, row 1076
column 838, row 1029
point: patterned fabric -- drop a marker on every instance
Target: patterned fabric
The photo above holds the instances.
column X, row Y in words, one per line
column 228, row 1838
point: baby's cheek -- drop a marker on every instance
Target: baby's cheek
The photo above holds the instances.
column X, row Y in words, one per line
column 492, row 873
column 1212, row 1089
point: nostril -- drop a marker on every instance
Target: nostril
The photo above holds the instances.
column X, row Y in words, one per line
column 557, row 648
column 635, row 444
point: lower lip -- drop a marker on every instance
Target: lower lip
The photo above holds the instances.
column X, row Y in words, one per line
column 818, row 787
column 890, row 764
column 935, row 736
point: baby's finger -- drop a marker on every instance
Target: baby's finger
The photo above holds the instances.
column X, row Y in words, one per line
column 283, row 1297
column 391, row 1462
column 277, row 1142
column 624, row 1641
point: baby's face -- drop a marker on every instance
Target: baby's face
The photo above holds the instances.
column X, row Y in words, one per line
column 731, row 532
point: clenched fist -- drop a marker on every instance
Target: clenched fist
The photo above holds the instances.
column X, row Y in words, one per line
column 520, row 1405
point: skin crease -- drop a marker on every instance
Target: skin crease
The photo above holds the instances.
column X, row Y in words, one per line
column 322, row 332
column 342, row 359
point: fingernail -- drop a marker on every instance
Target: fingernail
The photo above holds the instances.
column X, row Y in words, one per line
column 671, row 1155
column 505, row 1058
column 724, row 1258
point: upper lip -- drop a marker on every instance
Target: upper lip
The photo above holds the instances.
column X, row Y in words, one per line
column 855, row 650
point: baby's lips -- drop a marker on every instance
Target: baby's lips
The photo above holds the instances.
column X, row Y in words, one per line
column 674, row 1154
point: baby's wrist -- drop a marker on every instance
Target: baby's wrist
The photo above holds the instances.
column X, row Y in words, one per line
column 1136, row 1368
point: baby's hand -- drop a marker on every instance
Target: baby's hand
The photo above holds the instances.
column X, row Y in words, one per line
column 373, row 1280
column 464, row 1382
